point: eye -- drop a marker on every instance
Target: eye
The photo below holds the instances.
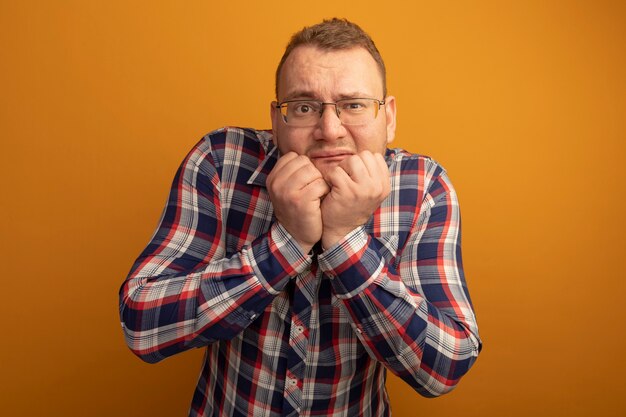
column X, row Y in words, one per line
column 353, row 106
column 303, row 108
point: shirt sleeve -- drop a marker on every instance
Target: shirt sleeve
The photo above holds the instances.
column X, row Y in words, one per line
column 182, row 291
column 415, row 316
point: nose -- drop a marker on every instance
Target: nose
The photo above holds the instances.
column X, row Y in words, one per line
column 329, row 126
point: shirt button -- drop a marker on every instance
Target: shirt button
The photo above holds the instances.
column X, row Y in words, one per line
column 293, row 382
column 359, row 331
column 252, row 317
column 299, row 329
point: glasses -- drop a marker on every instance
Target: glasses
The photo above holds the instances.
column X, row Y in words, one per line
column 350, row 111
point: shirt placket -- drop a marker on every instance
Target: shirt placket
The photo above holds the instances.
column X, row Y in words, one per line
column 304, row 293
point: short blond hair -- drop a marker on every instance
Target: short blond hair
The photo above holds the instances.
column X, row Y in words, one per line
column 334, row 34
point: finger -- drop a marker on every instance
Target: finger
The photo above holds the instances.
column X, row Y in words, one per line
column 339, row 178
column 369, row 161
column 380, row 160
column 354, row 167
column 382, row 165
column 316, row 189
column 384, row 175
column 284, row 159
column 298, row 169
column 304, row 174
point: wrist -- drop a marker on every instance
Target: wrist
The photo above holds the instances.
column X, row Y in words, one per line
column 305, row 247
column 331, row 238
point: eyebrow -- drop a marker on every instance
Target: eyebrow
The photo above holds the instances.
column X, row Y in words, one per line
column 294, row 95
column 305, row 94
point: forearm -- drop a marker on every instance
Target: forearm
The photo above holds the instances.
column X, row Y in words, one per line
column 424, row 332
column 168, row 313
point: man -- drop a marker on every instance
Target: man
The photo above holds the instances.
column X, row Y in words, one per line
column 310, row 260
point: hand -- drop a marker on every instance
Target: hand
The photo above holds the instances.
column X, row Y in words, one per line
column 358, row 185
column 296, row 188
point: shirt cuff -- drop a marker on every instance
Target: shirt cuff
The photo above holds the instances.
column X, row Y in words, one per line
column 276, row 257
column 352, row 263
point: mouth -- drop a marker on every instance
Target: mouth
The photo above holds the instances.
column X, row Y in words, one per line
column 329, row 156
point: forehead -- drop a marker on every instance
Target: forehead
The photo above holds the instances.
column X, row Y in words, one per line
column 329, row 74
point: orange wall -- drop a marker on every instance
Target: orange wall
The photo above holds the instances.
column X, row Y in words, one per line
column 523, row 102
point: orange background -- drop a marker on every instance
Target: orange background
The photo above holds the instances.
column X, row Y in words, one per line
column 523, row 102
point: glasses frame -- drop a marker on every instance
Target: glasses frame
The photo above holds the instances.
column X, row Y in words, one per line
column 323, row 105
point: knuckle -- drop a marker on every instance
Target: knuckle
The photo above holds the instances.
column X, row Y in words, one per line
column 292, row 197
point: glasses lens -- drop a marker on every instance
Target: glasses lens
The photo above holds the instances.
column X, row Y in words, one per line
column 357, row 111
column 301, row 113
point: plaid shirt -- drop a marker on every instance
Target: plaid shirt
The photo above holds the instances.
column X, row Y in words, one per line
column 289, row 333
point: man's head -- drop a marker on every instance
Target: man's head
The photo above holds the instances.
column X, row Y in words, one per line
column 334, row 35
column 332, row 61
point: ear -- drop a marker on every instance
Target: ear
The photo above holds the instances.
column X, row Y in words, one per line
column 275, row 116
column 390, row 114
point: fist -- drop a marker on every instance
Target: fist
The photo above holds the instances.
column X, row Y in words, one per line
column 296, row 188
column 359, row 184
